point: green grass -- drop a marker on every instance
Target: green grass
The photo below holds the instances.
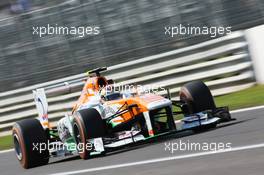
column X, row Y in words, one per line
column 6, row 142
column 250, row 97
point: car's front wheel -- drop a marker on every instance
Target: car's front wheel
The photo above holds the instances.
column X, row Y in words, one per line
column 87, row 124
column 197, row 96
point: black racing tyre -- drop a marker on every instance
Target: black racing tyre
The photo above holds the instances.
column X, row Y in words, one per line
column 197, row 97
column 28, row 135
column 87, row 124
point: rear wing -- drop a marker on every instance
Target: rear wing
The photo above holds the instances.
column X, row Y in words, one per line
column 42, row 106
column 40, row 97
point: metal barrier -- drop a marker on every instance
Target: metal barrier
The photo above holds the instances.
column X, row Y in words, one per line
column 224, row 64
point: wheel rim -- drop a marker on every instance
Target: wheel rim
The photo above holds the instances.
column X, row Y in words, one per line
column 17, row 147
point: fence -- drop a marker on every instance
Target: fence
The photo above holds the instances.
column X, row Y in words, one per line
column 129, row 30
column 223, row 63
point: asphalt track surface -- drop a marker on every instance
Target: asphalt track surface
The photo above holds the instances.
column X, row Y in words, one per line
column 246, row 136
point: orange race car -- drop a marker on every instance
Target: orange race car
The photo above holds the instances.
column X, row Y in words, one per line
column 106, row 117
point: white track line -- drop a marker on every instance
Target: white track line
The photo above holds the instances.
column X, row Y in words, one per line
column 246, row 109
column 160, row 160
column 232, row 112
column 6, row 151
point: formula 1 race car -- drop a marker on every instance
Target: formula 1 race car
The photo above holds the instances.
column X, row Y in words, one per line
column 106, row 118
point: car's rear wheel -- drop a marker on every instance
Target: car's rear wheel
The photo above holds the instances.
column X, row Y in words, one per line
column 197, row 96
column 87, row 124
column 30, row 143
